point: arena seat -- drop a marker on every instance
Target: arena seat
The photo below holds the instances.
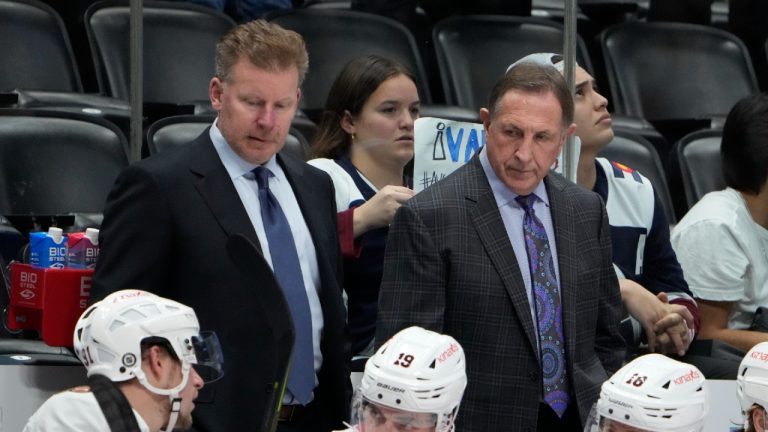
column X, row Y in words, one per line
column 698, row 157
column 335, row 36
column 37, row 53
column 639, row 154
column 666, row 71
column 179, row 46
column 474, row 51
column 172, row 132
column 38, row 63
column 54, row 162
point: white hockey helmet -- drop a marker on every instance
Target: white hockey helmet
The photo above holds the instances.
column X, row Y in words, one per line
column 416, row 371
column 752, row 380
column 108, row 336
column 652, row 393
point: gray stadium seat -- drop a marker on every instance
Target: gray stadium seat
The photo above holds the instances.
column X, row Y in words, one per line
column 172, row 132
column 663, row 71
column 179, row 46
column 639, row 154
column 474, row 51
column 700, row 164
column 335, row 36
column 38, row 63
column 57, row 163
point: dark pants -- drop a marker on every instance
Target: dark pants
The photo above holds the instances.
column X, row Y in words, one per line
column 715, row 359
column 549, row 421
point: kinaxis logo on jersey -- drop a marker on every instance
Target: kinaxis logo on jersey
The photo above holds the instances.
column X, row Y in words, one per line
column 450, row 351
column 690, row 376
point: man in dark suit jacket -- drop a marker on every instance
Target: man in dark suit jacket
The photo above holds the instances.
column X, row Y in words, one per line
column 456, row 262
column 168, row 219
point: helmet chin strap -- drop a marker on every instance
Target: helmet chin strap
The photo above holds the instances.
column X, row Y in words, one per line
column 175, row 408
column 173, row 394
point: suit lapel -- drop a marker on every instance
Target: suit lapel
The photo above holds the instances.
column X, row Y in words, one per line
column 304, row 196
column 493, row 235
column 215, row 187
column 565, row 229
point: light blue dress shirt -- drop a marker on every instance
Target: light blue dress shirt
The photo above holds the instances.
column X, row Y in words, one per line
column 512, row 215
column 247, row 188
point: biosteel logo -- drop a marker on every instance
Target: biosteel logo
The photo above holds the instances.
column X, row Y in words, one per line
column 450, row 351
column 690, row 376
column 28, row 280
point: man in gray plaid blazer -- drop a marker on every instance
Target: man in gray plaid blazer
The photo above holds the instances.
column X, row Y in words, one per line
column 456, row 262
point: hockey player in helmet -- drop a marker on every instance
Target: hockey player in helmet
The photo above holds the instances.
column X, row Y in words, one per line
column 752, row 387
column 146, row 361
column 414, row 383
column 652, row 393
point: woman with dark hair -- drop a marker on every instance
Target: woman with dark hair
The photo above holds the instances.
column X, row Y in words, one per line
column 722, row 240
column 364, row 142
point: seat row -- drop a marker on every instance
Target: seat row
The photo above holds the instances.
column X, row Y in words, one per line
column 55, row 162
column 655, row 71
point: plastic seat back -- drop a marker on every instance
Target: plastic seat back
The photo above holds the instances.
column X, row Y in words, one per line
column 701, row 167
column 179, row 47
column 335, row 36
column 639, row 154
column 56, row 163
column 474, row 51
column 37, row 53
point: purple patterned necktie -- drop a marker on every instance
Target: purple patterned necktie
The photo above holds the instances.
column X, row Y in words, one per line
column 549, row 313
column 285, row 262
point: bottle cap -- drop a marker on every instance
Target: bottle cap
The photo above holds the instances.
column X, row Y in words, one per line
column 93, row 235
column 56, row 233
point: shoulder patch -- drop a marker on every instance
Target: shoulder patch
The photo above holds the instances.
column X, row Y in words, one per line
column 621, row 171
column 80, row 389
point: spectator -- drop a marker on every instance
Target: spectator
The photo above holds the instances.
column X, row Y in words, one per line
column 142, row 353
column 365, row 140
column 721, row 241
column 414, row 382
column 653, row 289
column 752, row 388
column 457, row 261
column 633, row 397
column 231, row 180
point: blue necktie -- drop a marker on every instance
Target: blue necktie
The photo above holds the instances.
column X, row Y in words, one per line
column 285, row 262
column 549, row 312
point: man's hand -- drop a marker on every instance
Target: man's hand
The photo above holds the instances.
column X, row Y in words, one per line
column 665, row 325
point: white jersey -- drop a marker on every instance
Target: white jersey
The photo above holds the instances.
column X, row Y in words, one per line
column 73, row 410
column 723, row 254
column 347, row 193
